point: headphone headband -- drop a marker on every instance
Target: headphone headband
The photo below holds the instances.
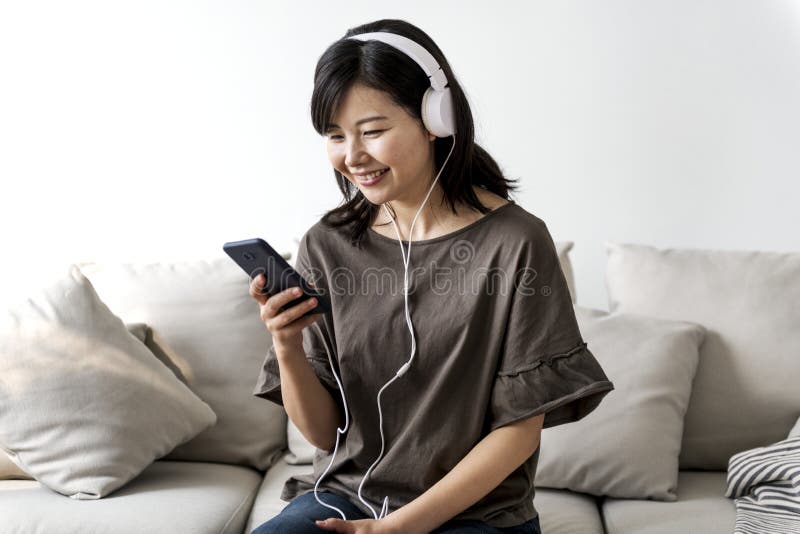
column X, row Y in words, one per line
column 437, row 102
column 413, row 50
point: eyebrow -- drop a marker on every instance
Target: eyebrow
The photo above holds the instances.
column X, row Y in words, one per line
column 359, row 122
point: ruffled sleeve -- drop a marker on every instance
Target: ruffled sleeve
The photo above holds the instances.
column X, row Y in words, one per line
column 545, row 366
column 268, row 385
column 318, row 343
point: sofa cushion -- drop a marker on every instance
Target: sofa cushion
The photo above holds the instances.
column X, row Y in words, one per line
column 701, row 507
column 301, row 452
column 629, row 446
column 560, row 511
column 203, row 311
column 568, row 512
column 85, row 405
column 268, row 501
column 749, row 365
column 10, row 470
column 166, row 497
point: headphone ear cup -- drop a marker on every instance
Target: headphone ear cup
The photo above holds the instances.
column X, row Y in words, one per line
column 437, row 112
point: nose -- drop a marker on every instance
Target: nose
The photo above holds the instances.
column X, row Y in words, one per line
column 354, row 154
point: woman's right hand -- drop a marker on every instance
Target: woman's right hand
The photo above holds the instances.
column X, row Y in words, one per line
column 286, row 326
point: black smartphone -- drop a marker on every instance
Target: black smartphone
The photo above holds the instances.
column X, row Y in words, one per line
column 255, row 256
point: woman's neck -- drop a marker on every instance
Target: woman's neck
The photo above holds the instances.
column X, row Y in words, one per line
column 429, row 221
column 436, row 219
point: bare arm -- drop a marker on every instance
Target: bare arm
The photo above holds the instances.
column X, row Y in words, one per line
column 489, row 463
column 308, row 404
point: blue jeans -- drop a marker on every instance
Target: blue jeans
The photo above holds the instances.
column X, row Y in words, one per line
column 299, row 515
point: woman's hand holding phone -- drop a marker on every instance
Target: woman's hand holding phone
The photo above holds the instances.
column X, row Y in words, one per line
column 285, row 326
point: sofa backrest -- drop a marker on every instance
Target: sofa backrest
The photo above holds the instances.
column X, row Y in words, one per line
column 746, row 392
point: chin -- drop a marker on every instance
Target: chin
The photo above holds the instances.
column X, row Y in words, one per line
column 375, row 198
column 375, row 195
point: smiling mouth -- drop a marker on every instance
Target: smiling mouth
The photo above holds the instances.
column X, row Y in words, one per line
column 373, row 177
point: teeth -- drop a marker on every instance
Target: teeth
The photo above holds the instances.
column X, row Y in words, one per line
column 373, row 175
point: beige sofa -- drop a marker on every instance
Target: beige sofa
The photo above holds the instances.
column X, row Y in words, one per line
column 702, row 347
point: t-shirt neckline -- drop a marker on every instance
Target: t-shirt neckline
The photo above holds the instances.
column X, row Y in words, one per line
column 446, row 236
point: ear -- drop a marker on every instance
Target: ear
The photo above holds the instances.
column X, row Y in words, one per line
column 431, row 137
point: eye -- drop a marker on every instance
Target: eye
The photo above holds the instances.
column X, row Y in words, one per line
column 336, row 137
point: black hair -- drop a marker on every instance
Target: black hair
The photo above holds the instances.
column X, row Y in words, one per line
column 380, row 66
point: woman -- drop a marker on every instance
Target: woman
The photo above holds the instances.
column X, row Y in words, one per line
column 439, row 428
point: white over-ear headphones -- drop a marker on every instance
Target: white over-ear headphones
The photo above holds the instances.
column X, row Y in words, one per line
column 437, row 102
column 437, row 117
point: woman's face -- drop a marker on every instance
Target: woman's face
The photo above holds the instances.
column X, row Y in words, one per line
column 397, row 142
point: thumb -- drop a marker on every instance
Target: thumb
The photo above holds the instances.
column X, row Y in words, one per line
column 333, row 524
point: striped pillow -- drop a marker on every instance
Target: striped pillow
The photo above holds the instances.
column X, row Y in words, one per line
column 765, row 483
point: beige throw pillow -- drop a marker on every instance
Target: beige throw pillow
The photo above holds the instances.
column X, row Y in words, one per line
column 629, row 446
column 204, row 314
column 746, row 393
column 9, row 470
column 84, row 404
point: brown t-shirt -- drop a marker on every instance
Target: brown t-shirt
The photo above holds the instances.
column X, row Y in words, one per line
column 497, row 341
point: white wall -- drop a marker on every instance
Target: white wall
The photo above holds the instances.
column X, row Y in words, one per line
column 157, row 130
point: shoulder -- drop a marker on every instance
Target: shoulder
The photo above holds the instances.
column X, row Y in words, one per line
column 517, row 223
column 520, row 226
column 526, row 244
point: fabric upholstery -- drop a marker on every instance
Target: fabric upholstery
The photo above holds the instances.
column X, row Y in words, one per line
column 85, row 404
column 168, row 497
column 629, row 447
column 701, row 508
column 205, row 315
column 749, row 365
column 10, row 470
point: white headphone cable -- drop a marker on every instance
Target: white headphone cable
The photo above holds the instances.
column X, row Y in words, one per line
column 400, row 372
column 405, row 366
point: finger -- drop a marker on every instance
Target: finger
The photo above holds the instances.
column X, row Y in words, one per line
column 303, row 322
column 334, row 525
column 281, row 298
column 297, row 325
column 256, row 285
column 323, row 524
column 295, row 312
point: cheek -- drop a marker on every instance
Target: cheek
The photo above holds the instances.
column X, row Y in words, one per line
column 390, row 154
column 335, row 156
